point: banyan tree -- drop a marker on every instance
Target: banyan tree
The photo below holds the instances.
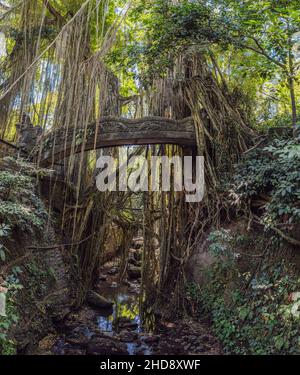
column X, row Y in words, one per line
column 58, row 82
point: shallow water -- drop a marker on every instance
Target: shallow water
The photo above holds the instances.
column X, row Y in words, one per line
column 126, row 305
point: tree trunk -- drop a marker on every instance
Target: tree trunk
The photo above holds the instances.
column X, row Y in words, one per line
column 293, row 102
column 291, row 83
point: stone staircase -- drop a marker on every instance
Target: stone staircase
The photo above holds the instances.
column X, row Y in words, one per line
column 60, row 297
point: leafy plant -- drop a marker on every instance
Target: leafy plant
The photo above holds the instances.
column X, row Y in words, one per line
column 4, row 232
column 19, row 205
column 262, row 315
column 13, row 285
column 271, row 175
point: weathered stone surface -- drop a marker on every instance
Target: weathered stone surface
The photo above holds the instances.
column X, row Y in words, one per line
column 137, row 244
column 128, row 336
column 134, row 272
column 106, row 346
column 133, row 261
column 74, row 319
column 95, row 300
column 113, row 271
column 74, row 351
column 136, row 239
column 131, row 325
column 47, row 342
column 126, row 323
column 114, row 131
column 28, row 135
column 55, row 261
column 78, row 339
column 151, row 339
column 80, row 336
column 137, row 254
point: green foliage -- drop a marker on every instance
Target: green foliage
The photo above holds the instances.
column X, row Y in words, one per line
column 265, row 26
column 37, row 277
column 273, row 171
column 170, row 27
column 279, row 120
column 20, row 208
column 21, row 216
column 13, row 285
column 262, row 314
column 4, row 232
column 163, row 29
column 254, row 43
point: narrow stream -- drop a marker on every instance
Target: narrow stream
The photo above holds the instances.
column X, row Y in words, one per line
column 121, row 322
column 125, row 311
column 119, row 330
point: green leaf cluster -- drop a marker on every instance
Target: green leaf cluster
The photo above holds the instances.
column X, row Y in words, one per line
column 251, row 313
column 20, row 208
column 13, row 285
column 271, row 174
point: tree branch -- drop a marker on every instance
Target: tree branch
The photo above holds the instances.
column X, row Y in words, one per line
column 54, row 12
column 4, row 6
column 263, row 53
column 286, row 237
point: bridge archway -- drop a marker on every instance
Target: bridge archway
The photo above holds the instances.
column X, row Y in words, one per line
column 113, row 131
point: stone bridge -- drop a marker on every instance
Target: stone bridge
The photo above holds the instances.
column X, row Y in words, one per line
column 112, row 131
